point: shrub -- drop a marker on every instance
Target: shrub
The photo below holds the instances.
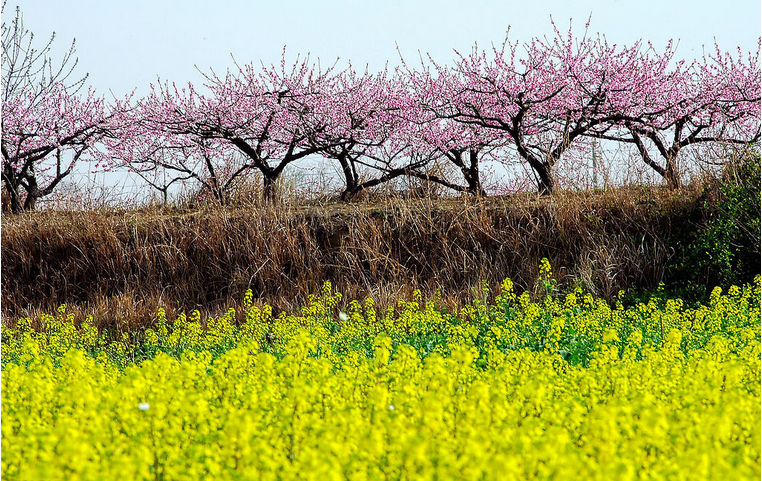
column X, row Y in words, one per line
column 721, row 245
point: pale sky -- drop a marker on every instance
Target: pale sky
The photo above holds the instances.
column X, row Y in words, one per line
column 126, row 45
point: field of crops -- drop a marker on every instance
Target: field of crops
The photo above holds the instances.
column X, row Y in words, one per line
column 515, row 387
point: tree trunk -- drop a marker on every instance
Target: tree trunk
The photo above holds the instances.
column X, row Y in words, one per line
column 269, row 190
column 350, row 178
column 220, row 195
column 546, row 182
column 471, row 174
column 672, row 174
column 348, row 193
column 31, row 202
column 13, row 198
column 11, row 185
column 33, row 193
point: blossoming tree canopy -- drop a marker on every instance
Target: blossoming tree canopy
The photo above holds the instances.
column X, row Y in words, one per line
column 355, row 110
column 542, row 100
column 375, row 134
column 156, row 140
column 732, row 90
column 265, row 115
column 557, row 91
column 462, row 146
column 46, row 125
column 715, row 99
column 545, row 98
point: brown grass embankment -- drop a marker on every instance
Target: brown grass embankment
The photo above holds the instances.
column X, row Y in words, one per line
column 121, row 265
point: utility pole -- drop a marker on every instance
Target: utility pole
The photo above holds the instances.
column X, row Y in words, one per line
column 595, row 165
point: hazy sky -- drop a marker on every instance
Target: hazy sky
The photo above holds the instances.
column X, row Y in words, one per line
column 126, row 45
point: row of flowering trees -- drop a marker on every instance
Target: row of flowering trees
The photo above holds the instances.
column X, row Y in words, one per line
column 538, row 102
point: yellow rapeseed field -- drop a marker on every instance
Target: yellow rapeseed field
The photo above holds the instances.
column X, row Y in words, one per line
column 563, row 388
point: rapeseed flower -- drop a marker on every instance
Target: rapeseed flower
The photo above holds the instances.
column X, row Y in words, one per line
column 520, row 389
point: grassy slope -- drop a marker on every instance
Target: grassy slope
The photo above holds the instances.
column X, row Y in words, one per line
column 123, row 264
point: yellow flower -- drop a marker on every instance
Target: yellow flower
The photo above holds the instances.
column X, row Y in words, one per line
column 610, row 336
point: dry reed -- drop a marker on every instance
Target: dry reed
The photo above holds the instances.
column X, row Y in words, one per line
column 121, row 265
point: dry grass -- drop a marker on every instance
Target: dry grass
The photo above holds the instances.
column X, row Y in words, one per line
column 121, row 265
